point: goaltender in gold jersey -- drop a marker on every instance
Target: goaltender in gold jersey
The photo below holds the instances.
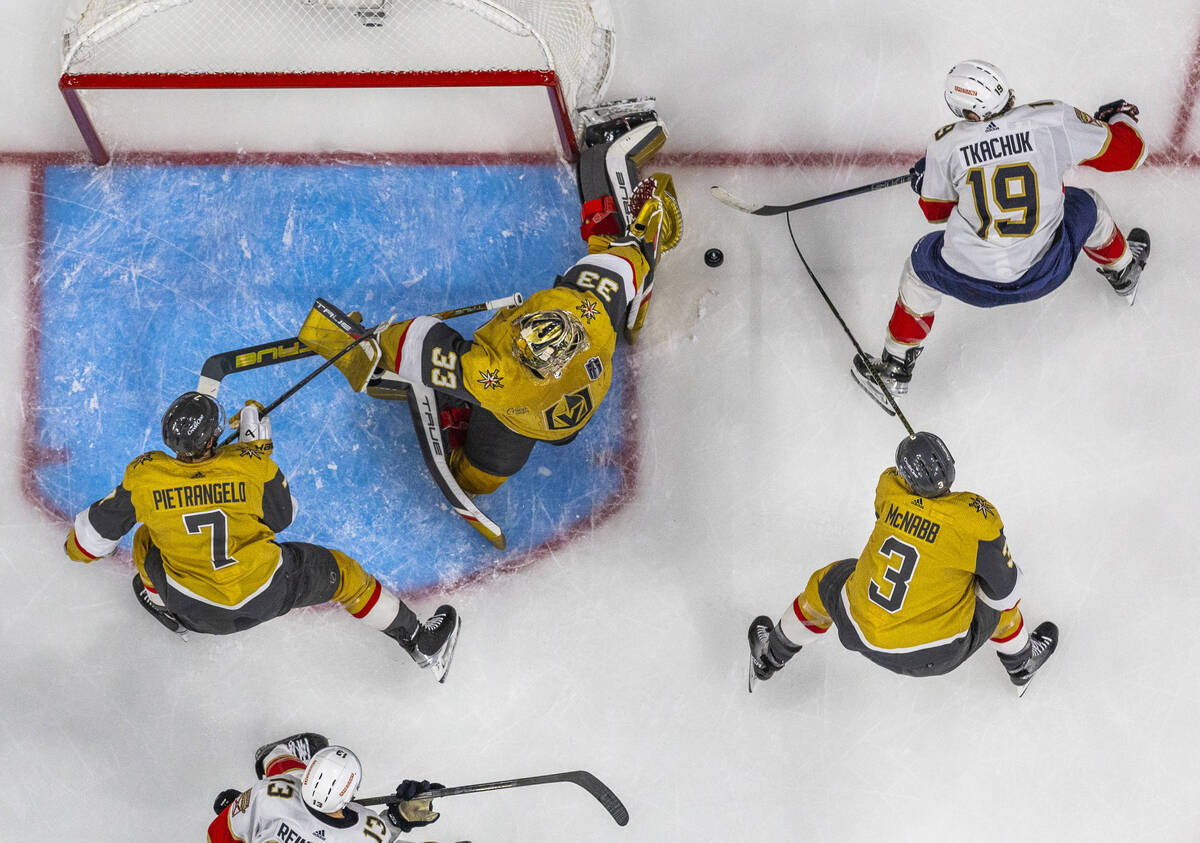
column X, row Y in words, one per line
column 536, row 372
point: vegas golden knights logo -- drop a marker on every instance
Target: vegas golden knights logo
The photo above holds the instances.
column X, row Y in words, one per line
column 570, row 411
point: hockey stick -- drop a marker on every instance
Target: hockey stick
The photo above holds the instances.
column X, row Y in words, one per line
column 732, row 201
column 895, row 408
column 224, row 363
column 596, row 788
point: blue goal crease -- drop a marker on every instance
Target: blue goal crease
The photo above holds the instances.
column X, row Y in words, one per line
column 148, row 270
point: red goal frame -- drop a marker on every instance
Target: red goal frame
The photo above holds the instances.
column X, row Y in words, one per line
column 70, row 84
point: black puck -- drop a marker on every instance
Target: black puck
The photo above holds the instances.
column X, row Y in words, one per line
column 714, row 257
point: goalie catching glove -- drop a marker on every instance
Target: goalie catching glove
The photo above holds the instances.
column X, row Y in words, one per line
column 409, row 813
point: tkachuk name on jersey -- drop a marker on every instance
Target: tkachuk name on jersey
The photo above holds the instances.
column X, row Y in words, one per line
column 989, row 148
column 913, row 524
column 200, row 494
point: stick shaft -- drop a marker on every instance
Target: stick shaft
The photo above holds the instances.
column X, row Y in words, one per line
column 771, row 210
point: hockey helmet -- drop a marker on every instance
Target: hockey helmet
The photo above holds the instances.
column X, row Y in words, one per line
column 977, row 88
column 546, row 340
column 925, row 464
column 331, row 779
column 191, row 423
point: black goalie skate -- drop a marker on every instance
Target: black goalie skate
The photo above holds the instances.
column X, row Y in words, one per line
column 1125, row 281
column 1022, row 666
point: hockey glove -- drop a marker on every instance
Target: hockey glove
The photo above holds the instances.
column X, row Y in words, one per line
column 75, row 552
column 916, row 175
column 410, row 813
column 1109, row 110
column 251, row 423
column 224, row 799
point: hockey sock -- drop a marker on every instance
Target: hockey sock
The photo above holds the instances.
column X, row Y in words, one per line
column 1114, row 254
column 1011, row 641
column 906, row 329
column 799, row 627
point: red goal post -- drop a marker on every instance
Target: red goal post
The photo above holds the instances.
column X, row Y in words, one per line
column 565, row 46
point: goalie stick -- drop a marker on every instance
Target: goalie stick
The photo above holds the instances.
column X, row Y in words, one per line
column 224, row 363
column 597, row 789
column 724, row 196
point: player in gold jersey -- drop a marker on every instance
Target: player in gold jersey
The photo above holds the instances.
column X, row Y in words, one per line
column 934, row 582
column 537, row 372
column 206, row 555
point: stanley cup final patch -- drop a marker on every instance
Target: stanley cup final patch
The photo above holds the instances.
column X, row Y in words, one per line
column 594, row 367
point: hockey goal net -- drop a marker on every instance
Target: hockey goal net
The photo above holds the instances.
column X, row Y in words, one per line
column 565, row 46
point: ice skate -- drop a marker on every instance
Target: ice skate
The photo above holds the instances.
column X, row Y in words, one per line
column 434, row 641
column 160, row 613
column 606, row 122
column 303, row 745
column 1124, row 282
column 1022, row 666
column 769, row 650
column 894, row 372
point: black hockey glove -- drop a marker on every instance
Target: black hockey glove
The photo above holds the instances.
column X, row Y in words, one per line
column 1109, row 110
column 409, row 812
column 224, row 799
column 916, row 175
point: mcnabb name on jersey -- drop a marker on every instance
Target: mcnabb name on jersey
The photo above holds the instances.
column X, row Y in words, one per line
column 1001, row 147
column 913, row 524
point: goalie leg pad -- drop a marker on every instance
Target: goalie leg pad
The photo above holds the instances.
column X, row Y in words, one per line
column 324, row 336
column 609, row 172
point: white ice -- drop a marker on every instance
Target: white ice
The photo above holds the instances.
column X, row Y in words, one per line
column 624, row 653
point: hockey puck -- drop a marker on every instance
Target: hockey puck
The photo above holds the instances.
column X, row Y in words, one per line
column 714, row 257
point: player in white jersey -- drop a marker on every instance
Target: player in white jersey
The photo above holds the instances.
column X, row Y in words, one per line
column 1013, row 231
column 299, row 802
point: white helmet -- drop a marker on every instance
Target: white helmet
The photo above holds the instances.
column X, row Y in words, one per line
column 978, row 88
column 331, row 779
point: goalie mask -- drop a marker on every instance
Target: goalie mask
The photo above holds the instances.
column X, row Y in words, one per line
column 546, row 340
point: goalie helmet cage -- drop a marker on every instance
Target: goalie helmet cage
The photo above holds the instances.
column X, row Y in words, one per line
column 565, row 46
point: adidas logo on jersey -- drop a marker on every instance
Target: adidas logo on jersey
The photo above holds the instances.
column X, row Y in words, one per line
column 991, row 127
column 319, row 834
column 917, row 502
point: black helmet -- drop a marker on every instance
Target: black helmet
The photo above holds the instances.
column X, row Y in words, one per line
column 925, row 464
column 191, row 423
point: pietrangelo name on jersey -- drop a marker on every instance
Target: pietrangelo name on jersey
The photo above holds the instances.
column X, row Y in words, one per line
column 985, row 150
column 200, row 494
column 913, row 524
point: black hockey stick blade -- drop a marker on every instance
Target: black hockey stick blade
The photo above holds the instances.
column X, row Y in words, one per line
column 596, row 788
column 224, row 363
column 758, row 209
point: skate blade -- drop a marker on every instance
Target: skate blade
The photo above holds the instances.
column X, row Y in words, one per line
column 869, row 387
column 752, row 680
column 440, row 665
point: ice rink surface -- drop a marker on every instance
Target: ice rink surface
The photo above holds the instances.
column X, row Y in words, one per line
column 623, row 651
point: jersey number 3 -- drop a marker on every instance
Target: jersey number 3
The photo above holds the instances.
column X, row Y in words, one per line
column 907, row 556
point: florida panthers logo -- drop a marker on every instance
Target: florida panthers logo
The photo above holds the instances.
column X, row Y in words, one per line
column 570, row 411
